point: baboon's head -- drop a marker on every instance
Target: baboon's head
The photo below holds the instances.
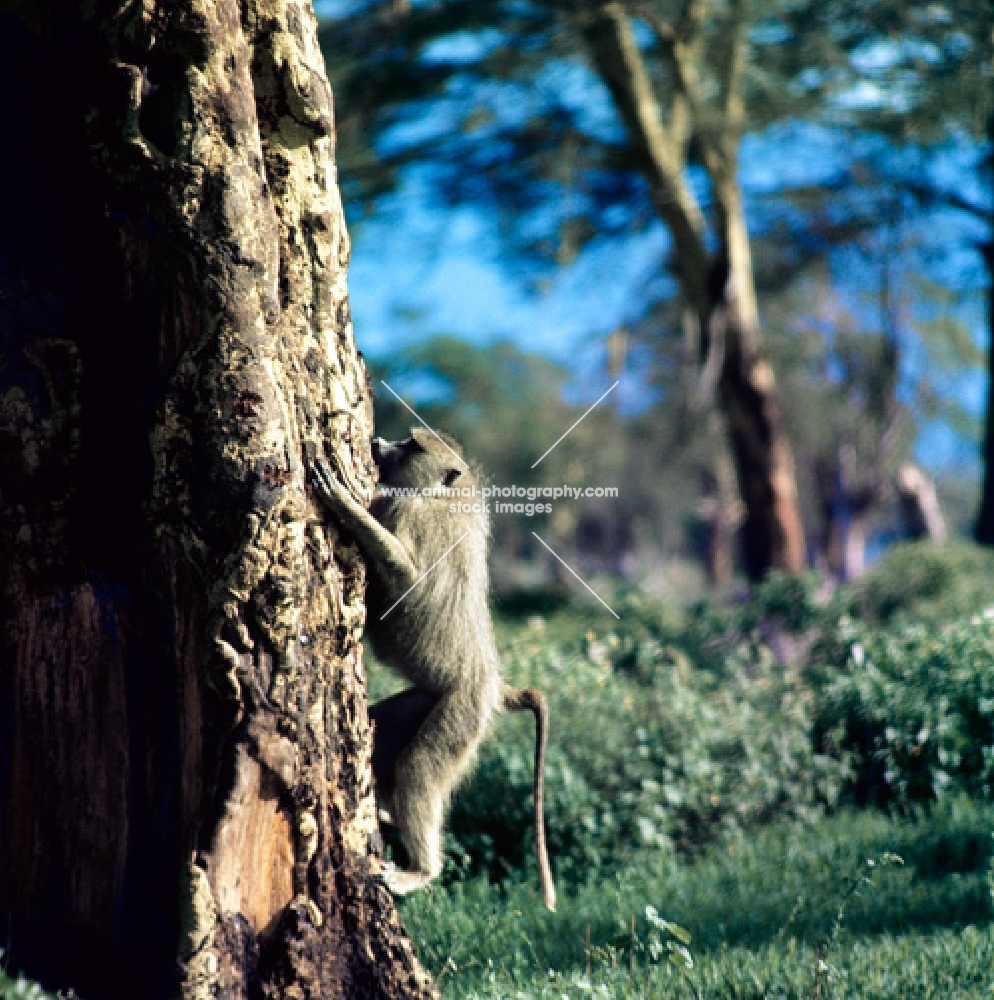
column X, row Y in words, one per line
column 423, row 460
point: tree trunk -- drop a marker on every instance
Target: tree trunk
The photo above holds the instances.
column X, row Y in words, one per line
column 848, row 515
column 185, row 800
column 920, row 504
column 772, row 532
column 721, row 510
column 985, row 517
column 857, row 535
column 718, row 287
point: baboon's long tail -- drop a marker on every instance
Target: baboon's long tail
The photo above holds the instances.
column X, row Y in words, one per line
column 517, row 700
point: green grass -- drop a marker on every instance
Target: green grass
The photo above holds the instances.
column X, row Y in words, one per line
column 790, row 912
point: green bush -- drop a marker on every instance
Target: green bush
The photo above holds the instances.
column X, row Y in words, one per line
column 911, row 710
column 19, row 988
column 924, row 582
column 647, row 751
column 672, row 728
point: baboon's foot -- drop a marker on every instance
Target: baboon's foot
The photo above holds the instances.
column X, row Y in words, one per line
column 401, row 882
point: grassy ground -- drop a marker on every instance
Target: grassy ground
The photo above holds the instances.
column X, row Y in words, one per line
column 790, row 912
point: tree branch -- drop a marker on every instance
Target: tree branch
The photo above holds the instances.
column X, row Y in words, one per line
column 684, row 48
column 732, row 79
column 619, row 63
column 685, row 106
column 935, row 196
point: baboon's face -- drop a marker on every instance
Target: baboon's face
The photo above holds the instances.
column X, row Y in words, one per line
column 420, row 461
column 393, row 459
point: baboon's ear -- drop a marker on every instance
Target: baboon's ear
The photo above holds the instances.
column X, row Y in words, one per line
column 421, row 437
column 450, row 477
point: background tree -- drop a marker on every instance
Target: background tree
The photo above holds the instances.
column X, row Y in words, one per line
column 923, row 78
column 681, row 88
column 185, row 801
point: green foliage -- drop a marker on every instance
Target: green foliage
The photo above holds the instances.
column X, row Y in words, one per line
column 912, row 710
column 501, row 106
column 921, row 581
column 673, row 729
column 648, row 750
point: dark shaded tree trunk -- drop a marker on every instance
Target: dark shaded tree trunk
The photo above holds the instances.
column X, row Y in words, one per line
column 848, row 514
column 772, row 533
column 985, row 517
column 185, row 801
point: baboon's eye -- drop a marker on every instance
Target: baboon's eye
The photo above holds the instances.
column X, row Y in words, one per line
column 451, row 476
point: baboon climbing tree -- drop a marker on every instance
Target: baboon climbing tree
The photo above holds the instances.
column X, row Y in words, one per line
column 185, row 802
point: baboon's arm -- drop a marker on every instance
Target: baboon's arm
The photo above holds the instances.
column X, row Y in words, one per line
column 377, row 544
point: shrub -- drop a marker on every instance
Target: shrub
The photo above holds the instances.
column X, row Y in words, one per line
column 672, row 728
column 911, row 710
column 924, row 582
column 647, row 752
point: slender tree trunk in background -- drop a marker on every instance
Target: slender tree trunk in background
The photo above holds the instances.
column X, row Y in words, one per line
column 718, row 287
column 847, row 515
column 985, row 517
column 185, row 801
column 718, row 556
column 721, row 510
column 856, row 537
column 772, row 532
column 855, row 473
column 920, row 504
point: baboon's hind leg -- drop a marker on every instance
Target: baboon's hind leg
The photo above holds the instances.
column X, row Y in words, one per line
column 427, row 771
column 396, row 721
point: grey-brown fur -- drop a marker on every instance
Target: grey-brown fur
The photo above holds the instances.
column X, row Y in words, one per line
column 429, row 620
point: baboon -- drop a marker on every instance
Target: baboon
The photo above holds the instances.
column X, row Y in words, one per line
column 428, row 619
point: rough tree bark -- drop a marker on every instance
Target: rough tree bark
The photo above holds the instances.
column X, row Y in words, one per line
column 185, row 801
column 718, row 287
